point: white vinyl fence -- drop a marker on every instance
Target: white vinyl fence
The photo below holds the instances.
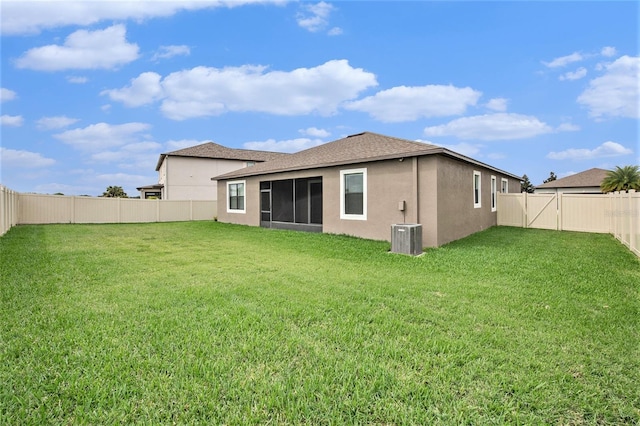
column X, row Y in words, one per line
column 8, row 209
column 615, row 213
column 22, row 209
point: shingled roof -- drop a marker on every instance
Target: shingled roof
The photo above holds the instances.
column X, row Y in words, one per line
column 588, row 178
column 358, row 148
column 216, row 151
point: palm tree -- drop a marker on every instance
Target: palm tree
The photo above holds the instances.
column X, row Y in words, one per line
column 114, row 192
column 621, row 179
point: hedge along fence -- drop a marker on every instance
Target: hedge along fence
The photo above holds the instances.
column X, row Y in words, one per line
column 616, row 213
column 23, row 209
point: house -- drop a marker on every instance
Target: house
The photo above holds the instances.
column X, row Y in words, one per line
column 185, row 174
column 362, row 184
column 587, row 182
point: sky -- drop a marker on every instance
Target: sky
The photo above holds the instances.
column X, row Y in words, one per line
column 92, row 92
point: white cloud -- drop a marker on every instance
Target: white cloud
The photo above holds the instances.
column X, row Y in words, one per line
column 568, row 127
column 608, row 51
column 497, row 104
column 615, row 93
column 468, row 149
column 315, row 17
column 499, row 126
column 404, row 103
column 291, row 145
column 59, row 122
column 607, row 149
column 314, row 132
column 207, row 91
column 575, row 75
column 102, row 136
column 143, row 89
column 17, row 159
column 100, row 49
column 166, row 52
column 496, row 156
column 11, row 120
column 30, row 17
column 7, row 95
column 335, row 31
column 133, row 154
column 564, row 60
column 77, row 80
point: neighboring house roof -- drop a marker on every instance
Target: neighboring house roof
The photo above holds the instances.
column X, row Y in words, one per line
column 154, row 186
column 216, row 151
column 588, row 178
column 358, row 148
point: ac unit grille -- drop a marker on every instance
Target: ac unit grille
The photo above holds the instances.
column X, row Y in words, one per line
column 406, row 239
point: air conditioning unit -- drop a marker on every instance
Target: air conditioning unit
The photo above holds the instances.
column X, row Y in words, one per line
column 406, row 239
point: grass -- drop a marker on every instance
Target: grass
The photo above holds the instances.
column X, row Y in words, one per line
column 212, row 323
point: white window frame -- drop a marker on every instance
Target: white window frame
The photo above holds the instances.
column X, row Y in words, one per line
column 504, row 185
column 244, row 209
column 344, row 215
column 478, row 204
column 494, row 194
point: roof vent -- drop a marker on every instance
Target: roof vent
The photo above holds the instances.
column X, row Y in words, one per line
column 357, row 134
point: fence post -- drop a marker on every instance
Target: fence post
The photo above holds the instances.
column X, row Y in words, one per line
column 633, row 222
column 525, row 212
column 559, row 212
column 628, row 215
column 616, row 215
column 612, row 230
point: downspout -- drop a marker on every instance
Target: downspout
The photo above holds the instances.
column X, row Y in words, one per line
column 416, row 188
column 166, row 178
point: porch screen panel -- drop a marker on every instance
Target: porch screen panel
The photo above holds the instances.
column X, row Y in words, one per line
column 315, row 189
column 302, row 201
column 282, row 201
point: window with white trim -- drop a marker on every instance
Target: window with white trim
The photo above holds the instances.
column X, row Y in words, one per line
column 477, row 179
column 353, row 194
column 504, row 186
column 494, row 193
column 236, row 197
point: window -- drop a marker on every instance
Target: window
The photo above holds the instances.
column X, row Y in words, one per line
column 494, row 195
column 505, row 186
column 476, row 189
column 353, row 194
column 251, row 163
column 235, row 197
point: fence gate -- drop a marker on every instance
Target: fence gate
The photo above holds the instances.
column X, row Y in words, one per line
column 542, row 211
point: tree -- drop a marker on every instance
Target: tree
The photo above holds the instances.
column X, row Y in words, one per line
column 621, row 179
column 115, row 192
column 551, row 178
column 526, row 185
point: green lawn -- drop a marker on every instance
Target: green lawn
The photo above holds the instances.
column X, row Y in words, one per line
column 212, row 323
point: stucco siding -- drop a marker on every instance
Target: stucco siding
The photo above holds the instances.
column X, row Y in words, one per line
column 388, row 183
column 427, row 185
column 457, row 214
column 189, row 178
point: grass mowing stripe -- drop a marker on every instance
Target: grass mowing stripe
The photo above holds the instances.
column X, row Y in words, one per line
column 213, row 323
